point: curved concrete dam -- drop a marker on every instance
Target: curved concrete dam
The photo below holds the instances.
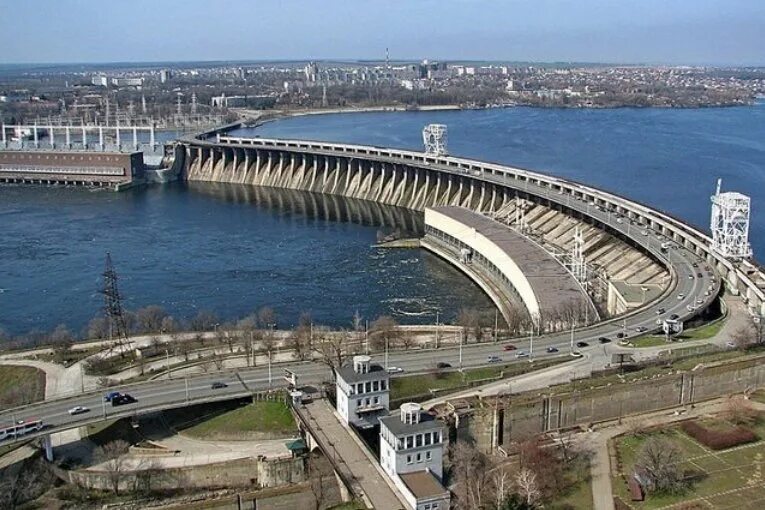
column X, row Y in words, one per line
column 615, row 229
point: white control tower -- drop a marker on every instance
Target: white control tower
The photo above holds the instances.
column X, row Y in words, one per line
column 434, row 138
column 730, row 224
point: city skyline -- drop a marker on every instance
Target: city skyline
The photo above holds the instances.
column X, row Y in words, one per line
column 711, row 32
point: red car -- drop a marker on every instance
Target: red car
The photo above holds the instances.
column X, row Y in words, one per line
column 509, row 347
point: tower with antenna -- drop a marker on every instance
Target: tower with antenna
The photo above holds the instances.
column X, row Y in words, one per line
column 388, row 74
column 115, row 318
column 193, row 103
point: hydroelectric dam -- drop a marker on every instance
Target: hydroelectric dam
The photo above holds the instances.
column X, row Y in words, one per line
column 631, row 261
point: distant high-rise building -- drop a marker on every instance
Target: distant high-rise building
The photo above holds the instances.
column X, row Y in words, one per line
column 100, row 80
column 311, row 71
column 164, row 75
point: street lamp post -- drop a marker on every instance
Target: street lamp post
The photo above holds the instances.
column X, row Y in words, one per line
column 461, row 336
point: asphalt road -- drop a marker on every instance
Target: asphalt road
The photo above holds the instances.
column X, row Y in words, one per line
column 164, row 394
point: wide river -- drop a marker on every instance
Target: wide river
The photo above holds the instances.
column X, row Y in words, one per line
column 232, row 249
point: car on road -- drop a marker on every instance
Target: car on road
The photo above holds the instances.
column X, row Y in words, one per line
column 395, row 370
column 521, row 354
column 659, row 321
column 680, row 296
column 699, row 275
column 78, row 410
column 124, row 399
column 494, row 359
column 111, row 396
column 443, row 364
column 604, row 340
column 582, row 344
column 690, row 308
column 690, row 277
column 641, row 329
column 218, row 385
column 695, row 264
column 699, row 301
column 674, row 317
column 660, row 311
column 552, row 349
column 509, row 347
column 621, row 334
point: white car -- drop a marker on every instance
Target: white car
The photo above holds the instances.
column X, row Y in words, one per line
column 395, row 370
column 521, row 354
column 680, row 297
column 78, row 410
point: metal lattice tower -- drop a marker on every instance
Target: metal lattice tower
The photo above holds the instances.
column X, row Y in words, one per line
column 730, row 224
column 434, row 138
column 143, row 104
column 193, row 103
column 113, row 306
column 178, row 105
column 578, row 264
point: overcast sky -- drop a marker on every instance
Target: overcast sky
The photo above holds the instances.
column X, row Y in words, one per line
column 622, row 31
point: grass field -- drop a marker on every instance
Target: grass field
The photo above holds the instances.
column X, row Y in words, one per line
column 262, row 416
column 20, row 385
column 731, row 478
column 578, row 494
column 701, row 333
column 414, row 385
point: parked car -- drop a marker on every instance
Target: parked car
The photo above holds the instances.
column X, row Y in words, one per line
column 121, row 400
column 78, row 410
column 494, row 359
column 621, row 334
column 395, row 370
column 582, row 344
column 699, row 275
column 552, row 349
column 509, row 347
column 443, row 364
column 680, row 296
column 641, row 329
column 217, row 385
column 604, row 340
column 111, row 395
column 674, row 317
column 521, row 354
column 660, row 311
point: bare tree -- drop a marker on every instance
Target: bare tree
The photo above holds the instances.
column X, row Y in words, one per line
column 204, row 321
column 740, row 411
column 149, row 319
column 112, row 457
column 745, row 336
column 266, row 317
column 97, row 328
column 382, row 331
column 318, row 476
column 406, row 339
column 526, row 480
column 660, row 460
column 169, row 324
column 19, row 486
column 61, row 339
column 206, row 365
column 332, row 348
column 470, row 472
column 470, row 322
column 218, row 361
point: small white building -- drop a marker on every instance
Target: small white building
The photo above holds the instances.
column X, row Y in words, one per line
column 411, row 453
column 363, row 392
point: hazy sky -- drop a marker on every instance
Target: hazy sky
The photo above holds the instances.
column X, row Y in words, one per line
column 628, row 31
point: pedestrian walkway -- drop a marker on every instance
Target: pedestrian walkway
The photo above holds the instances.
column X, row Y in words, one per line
column 347, row 454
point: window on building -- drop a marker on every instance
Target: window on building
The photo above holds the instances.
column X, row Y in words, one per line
column 375, row 385
column 367, row 400
column 419, row 457
column 368, row 387
column 409, row 441
column 419, row 440
column 408, row 459
column 377, row 400
column 401, row 444
column 383, row 385
column 426, row 506
column 361, row 388
column 427, row 438
column 358, row 403
column 428, row 456
column 434, row 507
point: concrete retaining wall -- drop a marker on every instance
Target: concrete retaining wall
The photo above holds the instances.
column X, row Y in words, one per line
column 527, row 415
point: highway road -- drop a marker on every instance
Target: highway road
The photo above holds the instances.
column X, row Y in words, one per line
column 687, row 289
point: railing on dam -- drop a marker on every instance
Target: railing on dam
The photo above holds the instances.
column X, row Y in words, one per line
column 530, row 181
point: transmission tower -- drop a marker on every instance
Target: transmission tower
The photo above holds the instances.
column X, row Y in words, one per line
column 434, row 138
column 143, row 104
column 730, row 224
column 178, row 105
column 193, row 103
column 113, row 307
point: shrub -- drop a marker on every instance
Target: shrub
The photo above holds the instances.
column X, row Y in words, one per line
column 718, row 440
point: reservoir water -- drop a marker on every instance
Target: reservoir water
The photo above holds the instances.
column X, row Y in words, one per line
column 232, row 249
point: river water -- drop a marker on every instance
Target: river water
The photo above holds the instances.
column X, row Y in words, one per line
column 232, row 249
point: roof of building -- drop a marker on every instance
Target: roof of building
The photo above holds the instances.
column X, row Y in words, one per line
column 553, row 285
column 399, row 428
column 350, row 376
column 423, row 484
